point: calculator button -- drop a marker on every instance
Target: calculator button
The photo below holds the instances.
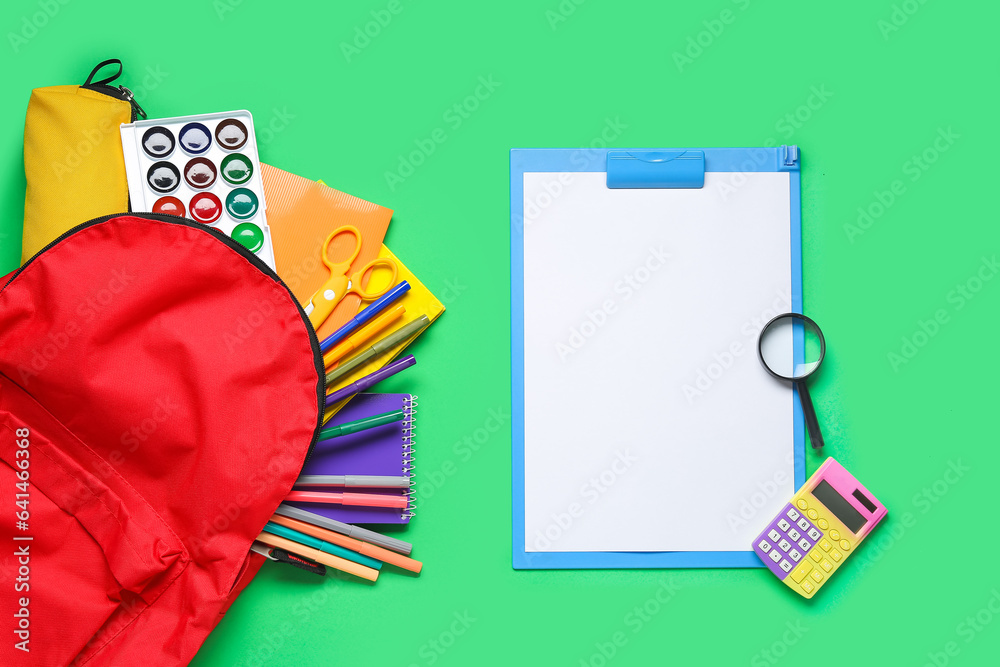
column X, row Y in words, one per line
column 794, row 535
column 807, row 587
column 774, row 555
column 836, row 555
column 803, row 524
column 795, row 555
column 801, row 571
column 804, row 544
column 774, row 535
column 785, row 565
column 784, row 525
column 825, row 545
column 764, row 546
column 834, row 535
column 845, row 545
column 826, row 565
column 815, row 555
column 792, row 514
column 816, row 576
column 802, row 503
column 814, row 534
column 823, row 524
column 812, row 514
column 784, row 544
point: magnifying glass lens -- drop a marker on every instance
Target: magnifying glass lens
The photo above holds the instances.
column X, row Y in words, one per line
column 791, row 346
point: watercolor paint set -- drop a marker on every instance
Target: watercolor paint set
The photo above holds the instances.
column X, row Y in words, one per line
column 203, row 167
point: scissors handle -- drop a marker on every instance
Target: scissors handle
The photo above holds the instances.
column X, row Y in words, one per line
column 358, row 277
column 342, row 267
column 329, row 295
column 333, row 290
column 326, row 299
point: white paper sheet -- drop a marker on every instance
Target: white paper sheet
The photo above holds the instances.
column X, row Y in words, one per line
column 649, row 422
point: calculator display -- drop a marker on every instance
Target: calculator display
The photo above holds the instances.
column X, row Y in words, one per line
column 836, row 503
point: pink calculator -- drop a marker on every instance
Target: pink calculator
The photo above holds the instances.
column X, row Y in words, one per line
column 819, row 528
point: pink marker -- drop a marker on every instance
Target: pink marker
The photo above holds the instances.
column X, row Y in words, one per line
column 358, row 499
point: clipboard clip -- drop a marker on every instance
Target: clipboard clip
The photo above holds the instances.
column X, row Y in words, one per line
column 789, row 158
column 656, row 169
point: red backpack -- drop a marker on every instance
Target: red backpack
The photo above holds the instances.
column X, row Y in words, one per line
column 160, row 389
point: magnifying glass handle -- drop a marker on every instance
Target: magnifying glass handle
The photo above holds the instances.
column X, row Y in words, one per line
column 815, row 437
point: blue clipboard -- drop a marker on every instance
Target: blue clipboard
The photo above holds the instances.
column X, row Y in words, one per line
column 635, row 168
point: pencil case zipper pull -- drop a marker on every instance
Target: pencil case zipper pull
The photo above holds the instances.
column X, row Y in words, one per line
column 137, row 109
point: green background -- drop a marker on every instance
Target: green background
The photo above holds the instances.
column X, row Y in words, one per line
column 565, row 71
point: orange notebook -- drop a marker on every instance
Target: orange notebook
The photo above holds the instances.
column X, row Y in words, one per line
column 301, row 213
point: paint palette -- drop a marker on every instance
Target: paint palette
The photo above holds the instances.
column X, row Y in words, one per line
column 202, row 167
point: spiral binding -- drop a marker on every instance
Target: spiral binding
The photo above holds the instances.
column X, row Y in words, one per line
column 409, row 441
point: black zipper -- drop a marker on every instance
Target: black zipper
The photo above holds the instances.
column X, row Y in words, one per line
column 121, row 93
column 253, row 259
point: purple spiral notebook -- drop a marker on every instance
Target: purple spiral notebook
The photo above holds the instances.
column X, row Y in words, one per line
column 384, row 450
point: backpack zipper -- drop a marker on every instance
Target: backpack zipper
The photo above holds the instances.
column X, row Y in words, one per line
column 120, row 93
column 253, row 259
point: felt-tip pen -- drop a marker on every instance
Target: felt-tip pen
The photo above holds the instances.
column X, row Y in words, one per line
column 382, row 346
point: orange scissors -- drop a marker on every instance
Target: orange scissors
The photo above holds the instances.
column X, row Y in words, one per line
column 333, row 290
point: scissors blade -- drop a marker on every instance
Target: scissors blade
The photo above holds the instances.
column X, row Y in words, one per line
column 309, row 308
column 263, row 550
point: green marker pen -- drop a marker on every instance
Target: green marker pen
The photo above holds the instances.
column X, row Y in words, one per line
column 382, row 346
column 361, row 425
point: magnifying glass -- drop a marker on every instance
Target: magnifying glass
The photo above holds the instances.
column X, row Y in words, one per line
column 791, row 347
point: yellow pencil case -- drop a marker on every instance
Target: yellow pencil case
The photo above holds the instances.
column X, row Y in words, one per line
column 73, row 160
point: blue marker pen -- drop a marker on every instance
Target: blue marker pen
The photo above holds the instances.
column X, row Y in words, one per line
column 368, row 313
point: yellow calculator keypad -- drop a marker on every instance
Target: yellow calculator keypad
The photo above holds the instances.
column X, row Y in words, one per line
column 806, row 577
column 792, row 537
column 799, row 573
